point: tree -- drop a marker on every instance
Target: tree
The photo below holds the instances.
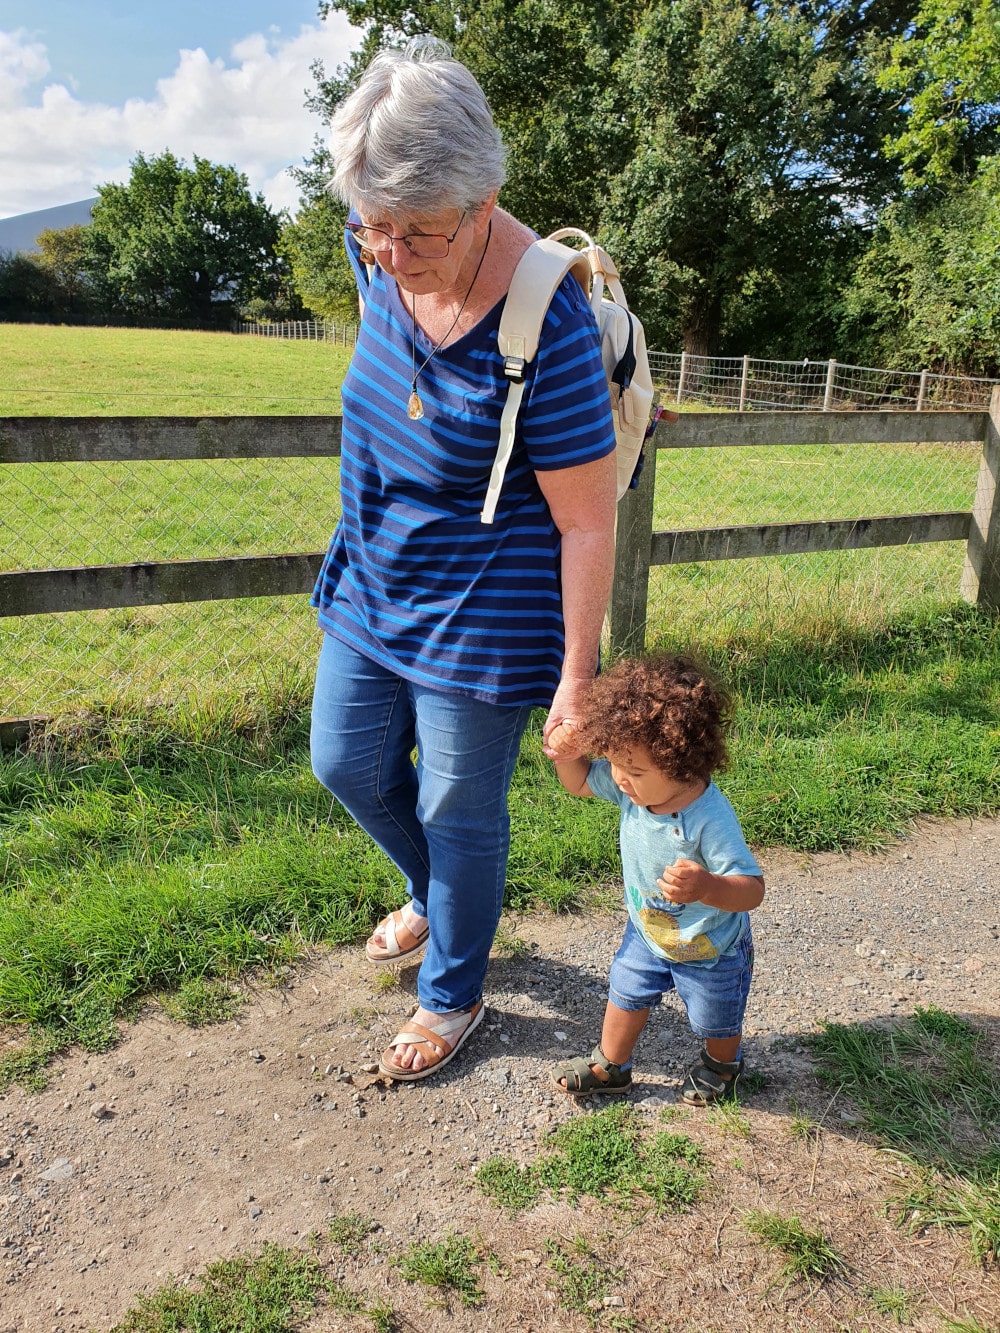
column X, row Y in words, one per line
column 180, row 241
column 946, row 67
column 927, row 292
column 728, row 153
column 63, row 253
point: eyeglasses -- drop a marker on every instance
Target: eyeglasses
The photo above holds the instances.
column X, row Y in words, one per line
column 425, row 245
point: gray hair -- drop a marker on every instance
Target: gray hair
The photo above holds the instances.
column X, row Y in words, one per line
column 415, row 136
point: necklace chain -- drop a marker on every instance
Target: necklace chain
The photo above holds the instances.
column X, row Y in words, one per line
column 414, row 407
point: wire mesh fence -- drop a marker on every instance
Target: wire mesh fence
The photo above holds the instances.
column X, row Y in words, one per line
column 311, row 330
column 747, row 384
column 67, row 515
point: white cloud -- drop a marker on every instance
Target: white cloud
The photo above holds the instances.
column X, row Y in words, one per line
column 247, row 112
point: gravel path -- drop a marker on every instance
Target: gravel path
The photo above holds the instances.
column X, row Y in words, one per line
column 181, row 1146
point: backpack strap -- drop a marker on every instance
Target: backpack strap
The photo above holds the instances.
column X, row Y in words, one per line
column 539, row 272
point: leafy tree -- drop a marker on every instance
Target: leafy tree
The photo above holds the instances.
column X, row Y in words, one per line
column 947, row 67
column 27, row 288
column 177, row 241
column 727, row 152
column 63, row 253
column 927, row 291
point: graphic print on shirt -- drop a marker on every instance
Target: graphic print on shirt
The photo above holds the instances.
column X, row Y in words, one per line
column 661, row 925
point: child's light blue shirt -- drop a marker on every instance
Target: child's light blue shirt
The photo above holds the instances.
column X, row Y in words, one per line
column 706, row 831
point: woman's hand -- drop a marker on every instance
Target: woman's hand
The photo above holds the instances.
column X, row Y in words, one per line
column 567, row 707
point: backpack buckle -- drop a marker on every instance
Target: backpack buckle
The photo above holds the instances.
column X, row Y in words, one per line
column 513, row 368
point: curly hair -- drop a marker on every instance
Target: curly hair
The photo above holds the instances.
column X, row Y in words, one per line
column 671, row 706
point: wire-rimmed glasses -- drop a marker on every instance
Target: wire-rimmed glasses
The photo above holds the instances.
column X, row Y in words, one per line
column 425, row 245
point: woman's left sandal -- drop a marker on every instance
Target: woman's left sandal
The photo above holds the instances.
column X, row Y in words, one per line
column 704, row 1083
column 580, row 1077
column 436, row 1045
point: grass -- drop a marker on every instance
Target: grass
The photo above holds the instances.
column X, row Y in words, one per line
column 601, row 1154
column 446, row 1264
column 926, row 1087
column 268, row 1293
column 55, row 370
column 148, row 846
column 895, row 1303
column 808, row 1255
column 584, row 1279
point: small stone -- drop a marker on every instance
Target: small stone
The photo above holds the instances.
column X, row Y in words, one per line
column 100, row 1111
column 255, row 1211
column 255, row 1054
column 370, row 1068
column 613, row 1303
column 61, row 1169
column 559, row 1036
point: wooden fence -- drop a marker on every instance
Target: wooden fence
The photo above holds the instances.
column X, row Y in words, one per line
column 96, row 439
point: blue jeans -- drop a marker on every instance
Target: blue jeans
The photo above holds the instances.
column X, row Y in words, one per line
column 715, row 997
column 443, row 821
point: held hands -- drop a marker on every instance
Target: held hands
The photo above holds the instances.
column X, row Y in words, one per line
column 685, row 882
column 563, row 741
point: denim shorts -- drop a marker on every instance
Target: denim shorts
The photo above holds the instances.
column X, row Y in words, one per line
column 715, row 997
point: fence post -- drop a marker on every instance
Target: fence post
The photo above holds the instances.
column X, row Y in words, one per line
column 630, row 587
column 681, row 376
column 831, row 375
column 981, row 575
column 743, row 382
column 922, row 391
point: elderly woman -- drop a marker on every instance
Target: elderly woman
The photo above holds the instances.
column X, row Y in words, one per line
column 442, row 633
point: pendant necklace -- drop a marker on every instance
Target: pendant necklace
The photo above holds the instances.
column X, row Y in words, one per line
column 414, row 407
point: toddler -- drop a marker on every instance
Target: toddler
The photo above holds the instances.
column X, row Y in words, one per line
column 659, row 725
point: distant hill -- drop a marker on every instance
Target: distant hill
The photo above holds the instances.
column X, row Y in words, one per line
column 21, row 233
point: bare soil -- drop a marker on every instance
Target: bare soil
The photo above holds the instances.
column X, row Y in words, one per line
column 181, row 1146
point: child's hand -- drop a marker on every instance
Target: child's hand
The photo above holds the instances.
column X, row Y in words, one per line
column 563, row 742
column 685, row 882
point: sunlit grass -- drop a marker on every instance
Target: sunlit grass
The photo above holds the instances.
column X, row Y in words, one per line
column 57, row 370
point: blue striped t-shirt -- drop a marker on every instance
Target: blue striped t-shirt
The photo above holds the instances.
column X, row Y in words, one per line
column 413, row 580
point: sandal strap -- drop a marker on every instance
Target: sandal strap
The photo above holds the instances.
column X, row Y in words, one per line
column 731, row 1067
column 597, row 1057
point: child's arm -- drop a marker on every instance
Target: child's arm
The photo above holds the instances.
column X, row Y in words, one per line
column 689, row 882
column 571, row 771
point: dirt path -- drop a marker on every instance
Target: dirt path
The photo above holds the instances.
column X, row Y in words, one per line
column 180, row 1146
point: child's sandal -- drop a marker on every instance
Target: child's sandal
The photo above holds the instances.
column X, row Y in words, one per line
column 580, row 1077
column 704, row 1083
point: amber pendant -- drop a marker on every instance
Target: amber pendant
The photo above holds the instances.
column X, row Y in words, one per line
column 414, row 408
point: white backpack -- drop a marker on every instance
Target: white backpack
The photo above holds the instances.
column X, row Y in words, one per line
column 623, row 346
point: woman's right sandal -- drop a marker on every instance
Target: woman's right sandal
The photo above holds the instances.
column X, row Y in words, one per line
column 580, row 1077
column 704, row 1083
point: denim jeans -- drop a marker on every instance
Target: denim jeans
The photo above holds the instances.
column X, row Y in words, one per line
column 715, row 997
column 443, row 821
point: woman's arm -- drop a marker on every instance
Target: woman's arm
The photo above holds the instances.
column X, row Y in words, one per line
column 582, row 502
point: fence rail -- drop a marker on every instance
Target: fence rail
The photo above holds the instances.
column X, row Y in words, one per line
column 748, row 383
column 138, row 440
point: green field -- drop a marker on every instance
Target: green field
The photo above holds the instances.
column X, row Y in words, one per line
column 57, row 370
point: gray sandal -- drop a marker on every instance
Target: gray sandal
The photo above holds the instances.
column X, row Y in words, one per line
column 580, row 1077
column 704, row 1083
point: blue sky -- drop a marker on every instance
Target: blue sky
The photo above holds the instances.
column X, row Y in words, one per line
column 86, row 84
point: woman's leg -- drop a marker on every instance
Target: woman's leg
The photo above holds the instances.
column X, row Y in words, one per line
column 362, row 737
column 467, row 750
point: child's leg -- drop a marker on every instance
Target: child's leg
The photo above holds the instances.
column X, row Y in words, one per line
column 724, row 1049
column 602, row 1070
column 715, row 999
column 621, row 1032
column 637, row 983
